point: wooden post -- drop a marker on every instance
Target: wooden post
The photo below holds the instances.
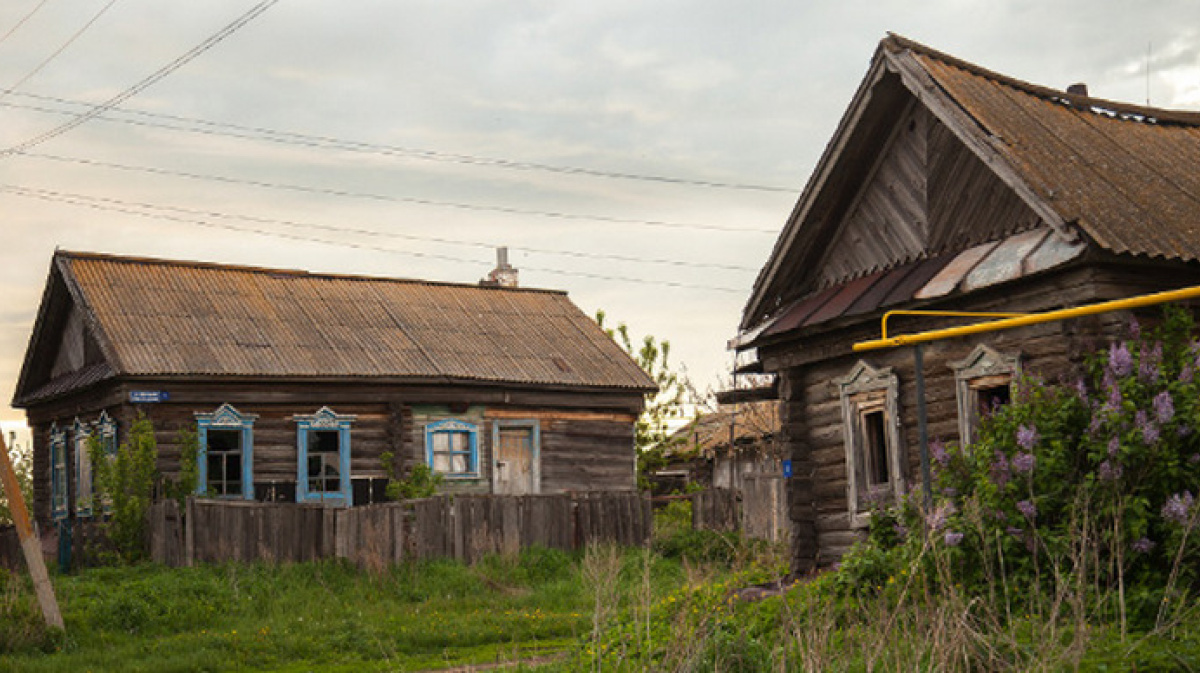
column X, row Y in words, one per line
column 29, row 542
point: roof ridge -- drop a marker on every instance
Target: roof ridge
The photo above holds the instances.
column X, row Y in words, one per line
column 299, row 273
column 894, row 42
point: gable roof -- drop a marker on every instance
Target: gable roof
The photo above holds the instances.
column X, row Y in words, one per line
column 1116, row 176
column 149, row 317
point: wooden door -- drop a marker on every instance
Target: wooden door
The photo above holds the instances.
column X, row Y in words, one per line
column 516, row 459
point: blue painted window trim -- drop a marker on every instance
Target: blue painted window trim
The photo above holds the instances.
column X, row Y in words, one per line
column 535, row 450
column 454, row 426
column 324, row 419
column 80, row 433
column 226, row 418
column 58, row 473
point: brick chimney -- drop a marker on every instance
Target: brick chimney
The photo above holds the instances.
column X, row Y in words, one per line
column 504, row 275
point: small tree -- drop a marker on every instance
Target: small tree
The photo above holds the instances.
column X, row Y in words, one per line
column 23, row 465
column 652, row 433
column 127, row 481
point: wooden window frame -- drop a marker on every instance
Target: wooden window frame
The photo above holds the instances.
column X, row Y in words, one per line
column 106, row 429
column 985, row 368
column 535, row 458
column 226, row 418
column 864, row 391
column 453, row 425
column 59, row 496
column 325, row 420
column 85, row 484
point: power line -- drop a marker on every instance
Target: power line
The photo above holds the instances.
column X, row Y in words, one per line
column 45, row 195
column 145, row 83
column 370, row 232
column 58, row 51
column 325, row 191
column 22, row 21
column 206, row 127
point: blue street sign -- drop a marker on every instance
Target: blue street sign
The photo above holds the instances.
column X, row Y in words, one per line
column 148, row 396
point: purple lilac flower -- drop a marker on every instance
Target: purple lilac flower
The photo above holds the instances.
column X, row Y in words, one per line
column 1114, row 397
column 940, row 455
column 1183, row 430
column 1028, row 509
column 1143, row 546
column 1000, row 473
column 1178, row 507
column 1164, row 407
column 1109, row 471
column 1023, row 463
column 1148, row 367
column 901, row 531
column 999, row 515
column 1119, row 360
column 1135, row 328
column 1194, row 458
column 1114, row 445
column 1187, row 373
column 1027, row 437
column 1149, row 429
column 1094, row 425
column 1014, row 531
column 952, row 538
column 1081, row 389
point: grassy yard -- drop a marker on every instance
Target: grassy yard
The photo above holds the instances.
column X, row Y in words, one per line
column 323, row 616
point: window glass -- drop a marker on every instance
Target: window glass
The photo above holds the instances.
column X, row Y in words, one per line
column 452, row 450
column 323, row 461
column 224, row 462
column 83, row 476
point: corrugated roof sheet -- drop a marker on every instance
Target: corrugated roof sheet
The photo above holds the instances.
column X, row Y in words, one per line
column 1127, row 175
column 974, row 268
column 183, row 318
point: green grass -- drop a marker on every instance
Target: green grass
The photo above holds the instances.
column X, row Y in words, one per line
column 323, row 616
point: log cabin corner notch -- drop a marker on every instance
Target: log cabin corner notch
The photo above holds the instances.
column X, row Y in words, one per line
column 298, row 383
column 949, row 187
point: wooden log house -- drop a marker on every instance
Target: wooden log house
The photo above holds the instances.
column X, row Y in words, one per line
column 297, row 383
column 950, row 187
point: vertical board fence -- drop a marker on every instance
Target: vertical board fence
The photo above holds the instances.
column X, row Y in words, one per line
column 375, row 536
column 716, row 509
column 764, row 508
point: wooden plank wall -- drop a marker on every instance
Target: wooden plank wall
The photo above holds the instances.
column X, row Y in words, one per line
column 716, row 509
column 461, row 527
column 764, row 507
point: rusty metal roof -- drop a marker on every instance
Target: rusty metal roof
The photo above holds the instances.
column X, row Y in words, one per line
column 972, row 269
column 185, row 318
column 1125, row 174
column 1119, row 177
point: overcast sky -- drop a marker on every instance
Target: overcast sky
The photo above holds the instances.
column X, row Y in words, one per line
column 673, row 135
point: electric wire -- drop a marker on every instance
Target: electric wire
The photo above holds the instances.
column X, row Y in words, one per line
column 46, row 61
column 206, row 127
column 369, row 232
column 326, row 191
column 35, row 194
column 145, row 83
column 22, row 21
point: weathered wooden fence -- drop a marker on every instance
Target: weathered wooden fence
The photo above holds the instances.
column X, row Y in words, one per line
column 764, row 508
column 374, row 536
column 758, row 510
column 716, row 509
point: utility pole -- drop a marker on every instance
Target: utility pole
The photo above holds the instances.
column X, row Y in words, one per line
column 29, row 542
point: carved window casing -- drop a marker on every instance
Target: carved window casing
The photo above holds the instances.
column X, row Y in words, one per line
column 106, row 431
column 452, row 448
column 323, row 458
column 873, row 439
column 226, row 456
column 58, row 473
column 983, row 382
column 84, row 477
